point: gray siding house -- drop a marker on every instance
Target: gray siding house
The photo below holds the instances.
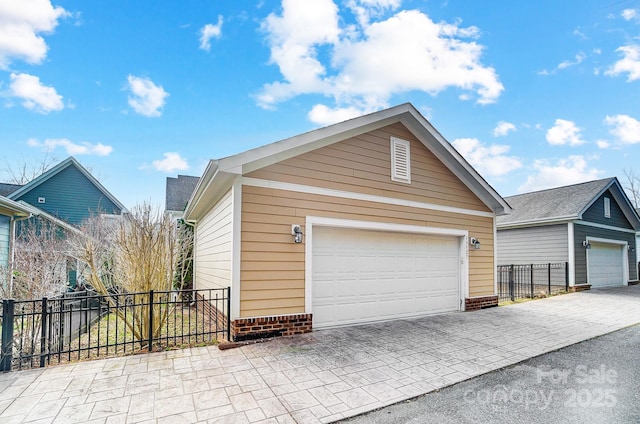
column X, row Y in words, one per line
column 591, row 226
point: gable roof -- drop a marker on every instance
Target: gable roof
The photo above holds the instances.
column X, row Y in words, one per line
column 70, row 161
column 564, row 204
column 220, row 174
column 178, row 192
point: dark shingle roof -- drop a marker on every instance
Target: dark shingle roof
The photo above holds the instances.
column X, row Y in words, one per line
column 6, row 189
column 178, row 192
column 555, row 203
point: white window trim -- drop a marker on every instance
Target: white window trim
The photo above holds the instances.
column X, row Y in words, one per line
column 395, row 175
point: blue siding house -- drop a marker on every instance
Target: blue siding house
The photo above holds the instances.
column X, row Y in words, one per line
column 68, row 192
column 10, row 212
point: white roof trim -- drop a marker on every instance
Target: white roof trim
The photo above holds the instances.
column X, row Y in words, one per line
column 228, row 168
column 39, row 212
column 14, row 206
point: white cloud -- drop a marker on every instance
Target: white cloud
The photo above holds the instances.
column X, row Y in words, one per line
column 578, row 59
column 603, row 144
column 564, row 132
column 172, row 162
column 146, row 98
column 503, row 128
column 630, row 63
column 364, row 64
column 629, row 14
column 323, row 115
column 625, row 128
column 35, row 96
column 365, row 10
column 21, row 23
column 487, row 160
column 571, row 170
column 84, row 148
column 210, row 31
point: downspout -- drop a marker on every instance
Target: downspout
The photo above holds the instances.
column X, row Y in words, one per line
column 12, row 239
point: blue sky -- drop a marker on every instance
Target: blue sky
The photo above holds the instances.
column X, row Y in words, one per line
column 533, row 94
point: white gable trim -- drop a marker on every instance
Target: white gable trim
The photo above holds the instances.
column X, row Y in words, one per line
column 605, row 227
column 299, row 188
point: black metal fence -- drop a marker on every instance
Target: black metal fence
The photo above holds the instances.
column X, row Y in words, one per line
column 531, row 281
column 82, row 326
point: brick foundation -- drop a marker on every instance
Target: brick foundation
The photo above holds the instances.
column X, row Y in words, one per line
column 477, row 303
column 255, row 328
column 579, row 288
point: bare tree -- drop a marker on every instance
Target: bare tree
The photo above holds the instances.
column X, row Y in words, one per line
column 132, row 255
column 632, row 186
column 40, row 262
column 24, row 171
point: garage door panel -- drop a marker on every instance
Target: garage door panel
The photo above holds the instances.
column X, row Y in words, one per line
column 606, row 264
column 364, row 275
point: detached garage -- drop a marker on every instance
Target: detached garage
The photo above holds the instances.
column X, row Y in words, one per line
column 367, row 220
column 591, row 226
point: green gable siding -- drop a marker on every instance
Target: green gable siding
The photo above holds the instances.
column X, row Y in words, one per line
column 595, row 213
column 70, row 196
column 4, row 240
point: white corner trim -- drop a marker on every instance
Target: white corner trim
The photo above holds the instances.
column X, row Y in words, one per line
column 495, row 258
column 312, row 221
column 572, row 254
column 236, row 248
column 300, row 188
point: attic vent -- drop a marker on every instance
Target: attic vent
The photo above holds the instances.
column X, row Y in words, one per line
column 41, row 200
column 400, row 160
column 607, row 207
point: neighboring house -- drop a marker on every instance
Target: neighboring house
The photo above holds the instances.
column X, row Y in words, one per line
column 69, row 192
column 366, row 220
column 66, row 195
column 10, row 213
column 177, row 193
column 591, row 226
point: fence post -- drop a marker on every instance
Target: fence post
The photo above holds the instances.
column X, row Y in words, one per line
column 531, row 278
column 43, row 331
column 150, row 320
column 511, row 293
column 566, row 276
column 7, row 334
column 549, row 278
column 228, row 314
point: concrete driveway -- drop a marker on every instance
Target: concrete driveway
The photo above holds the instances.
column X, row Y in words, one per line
column 318, row 377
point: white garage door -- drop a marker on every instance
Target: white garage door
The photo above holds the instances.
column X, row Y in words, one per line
column 363, row 275
column 606, row 266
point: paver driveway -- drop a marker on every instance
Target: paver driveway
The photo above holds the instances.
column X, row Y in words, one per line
column 318, row 377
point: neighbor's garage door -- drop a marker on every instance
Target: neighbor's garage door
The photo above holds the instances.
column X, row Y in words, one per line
column 363, row 275
column 606, row 266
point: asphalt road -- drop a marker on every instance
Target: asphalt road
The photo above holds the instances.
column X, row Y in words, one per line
column 596, row 381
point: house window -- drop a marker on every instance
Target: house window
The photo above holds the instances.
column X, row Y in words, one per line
column 400, row 160
column 607, row 207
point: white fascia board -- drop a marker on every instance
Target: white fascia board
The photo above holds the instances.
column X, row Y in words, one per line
column 10, row 207
column 270, row 154
column 537, row 222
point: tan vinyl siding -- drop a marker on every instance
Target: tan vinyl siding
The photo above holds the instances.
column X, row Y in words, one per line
column 362, row 164
column 213, row 246
column 272, row 266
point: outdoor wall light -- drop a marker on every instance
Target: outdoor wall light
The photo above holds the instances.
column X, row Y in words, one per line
column 475, row 243
column 296, row 232
column 586, row 244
